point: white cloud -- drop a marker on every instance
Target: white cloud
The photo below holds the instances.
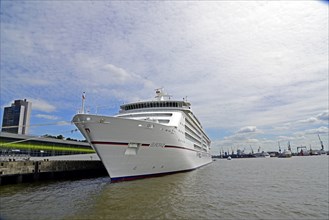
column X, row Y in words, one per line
column 321, row 118
column 32, row 81
column 50, row 117
column 96, row 72
column 309, row 120
column 286, row 138
column 63, row 123
column 117, row 73
column 320, row 130
column 42, row 105
column 263, row 64
column 248, row 129
column 324, row 116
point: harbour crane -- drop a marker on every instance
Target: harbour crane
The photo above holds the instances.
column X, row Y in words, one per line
column 301, row 151
column 252, row 150
column 322, row 148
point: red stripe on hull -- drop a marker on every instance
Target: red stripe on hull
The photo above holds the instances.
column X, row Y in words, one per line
column 144, row 145
column 112, row 143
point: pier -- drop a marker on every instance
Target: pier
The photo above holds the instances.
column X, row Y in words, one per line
column 12, row 172
column 29, row 158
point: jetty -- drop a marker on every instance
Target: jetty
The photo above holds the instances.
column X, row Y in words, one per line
column 20, row 170
column 12, row 172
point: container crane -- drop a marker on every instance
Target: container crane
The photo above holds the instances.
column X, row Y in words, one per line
column 322, row 148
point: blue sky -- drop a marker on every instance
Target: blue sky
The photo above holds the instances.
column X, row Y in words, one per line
column 256, row 72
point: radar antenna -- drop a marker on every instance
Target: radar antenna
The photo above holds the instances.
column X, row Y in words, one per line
column 161, row 94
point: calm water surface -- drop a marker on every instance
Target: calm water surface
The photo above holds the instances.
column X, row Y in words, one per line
column 260, row 188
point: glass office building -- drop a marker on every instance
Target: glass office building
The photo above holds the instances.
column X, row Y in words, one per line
column 16, row 118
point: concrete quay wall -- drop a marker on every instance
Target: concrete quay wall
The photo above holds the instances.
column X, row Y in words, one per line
column 29, row 171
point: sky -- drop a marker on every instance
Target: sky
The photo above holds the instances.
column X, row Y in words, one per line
column 255, row 72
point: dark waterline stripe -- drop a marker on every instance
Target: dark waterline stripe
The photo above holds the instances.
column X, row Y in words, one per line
column 130, row 178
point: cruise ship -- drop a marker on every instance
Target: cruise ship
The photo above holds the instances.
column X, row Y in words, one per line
column 147, row 138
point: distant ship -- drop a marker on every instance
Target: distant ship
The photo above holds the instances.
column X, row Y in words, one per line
column 147, row 138
column 285, row 153
column 260, row 154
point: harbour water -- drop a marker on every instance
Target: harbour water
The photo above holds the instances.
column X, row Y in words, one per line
column 258, row 188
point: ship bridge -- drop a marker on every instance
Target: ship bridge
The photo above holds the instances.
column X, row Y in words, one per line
column 162, row 100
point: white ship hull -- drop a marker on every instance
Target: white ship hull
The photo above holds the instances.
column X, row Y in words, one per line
column 131, row 149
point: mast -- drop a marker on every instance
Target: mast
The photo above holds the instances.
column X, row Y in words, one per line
column 161, row 95
column 83, row 102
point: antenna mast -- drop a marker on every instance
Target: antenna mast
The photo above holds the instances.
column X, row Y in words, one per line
column 83, row 103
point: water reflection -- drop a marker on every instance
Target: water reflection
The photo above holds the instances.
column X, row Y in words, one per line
column 237, row 189
column 151, row 198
